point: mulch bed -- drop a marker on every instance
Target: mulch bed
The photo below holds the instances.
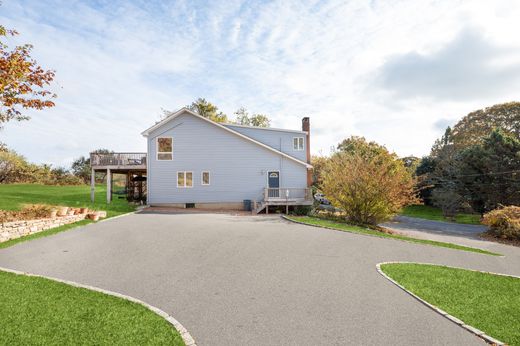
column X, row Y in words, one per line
column 490, row 237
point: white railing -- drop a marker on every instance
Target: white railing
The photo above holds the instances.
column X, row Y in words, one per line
column 117, row 159
column 289, row 194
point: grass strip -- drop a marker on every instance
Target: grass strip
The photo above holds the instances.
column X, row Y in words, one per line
column 432, row 213
column 485, row 301
column 39, row 311
column 340, row 226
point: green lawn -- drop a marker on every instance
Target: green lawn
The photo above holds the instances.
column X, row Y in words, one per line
column 361, row 230
column 488, row 302
column 38, row 311
column 431, row 213
column 13, row 196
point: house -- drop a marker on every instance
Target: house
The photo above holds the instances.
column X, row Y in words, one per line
column 192, row 161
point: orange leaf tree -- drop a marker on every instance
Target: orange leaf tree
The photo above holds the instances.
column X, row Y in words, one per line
column 368, row 183
column 22, row 81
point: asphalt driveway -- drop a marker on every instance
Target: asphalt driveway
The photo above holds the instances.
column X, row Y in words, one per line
column 243, row 280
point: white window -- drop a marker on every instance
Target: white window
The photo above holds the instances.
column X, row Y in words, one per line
column 164, row 148
column 205, row 178
column 184, row 179
column 298, row 143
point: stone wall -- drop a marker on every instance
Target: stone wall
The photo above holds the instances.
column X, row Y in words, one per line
column 17, row 229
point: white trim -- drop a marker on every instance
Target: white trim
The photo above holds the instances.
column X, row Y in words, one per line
column 157, row 152
column 186, row 110
column 297, row 144
column 184, row 186
column 202, row 178
column 265, row 128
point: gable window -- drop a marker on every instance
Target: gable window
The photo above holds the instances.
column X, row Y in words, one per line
column 164, row 148
column 205, row 178
column 298, row 143
column 184, row 179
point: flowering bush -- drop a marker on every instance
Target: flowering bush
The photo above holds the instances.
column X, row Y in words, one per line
column 504, row 222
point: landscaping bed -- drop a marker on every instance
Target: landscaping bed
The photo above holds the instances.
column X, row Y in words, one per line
column 485, row 301
column 16, row 196
column 36, row 218
column 44, row 312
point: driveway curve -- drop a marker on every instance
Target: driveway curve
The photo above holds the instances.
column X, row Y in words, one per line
column 244, row 280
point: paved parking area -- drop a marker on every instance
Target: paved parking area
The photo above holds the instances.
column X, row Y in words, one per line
column 256, row 280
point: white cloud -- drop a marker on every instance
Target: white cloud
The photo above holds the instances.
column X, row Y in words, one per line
column 118, row 63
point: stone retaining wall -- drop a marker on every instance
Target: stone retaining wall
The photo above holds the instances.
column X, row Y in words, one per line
column 17, row 229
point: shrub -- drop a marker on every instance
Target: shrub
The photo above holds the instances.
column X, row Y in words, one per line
column 302, row 210
column 504, row 222
column 29, row 212
column 366, row 182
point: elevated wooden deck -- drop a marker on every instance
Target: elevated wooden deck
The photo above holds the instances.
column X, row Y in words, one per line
column 133, row 165
column 118, row 162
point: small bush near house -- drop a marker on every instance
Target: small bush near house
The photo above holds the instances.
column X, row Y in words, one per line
column 29, row 212
column 504, row 222
column 302, row 210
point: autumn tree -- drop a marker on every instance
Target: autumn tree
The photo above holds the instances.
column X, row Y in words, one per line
column 207, row 110
column 244, row 118
column 477, row 125
column 23, row 82
column 318, row 162
column 367, row 182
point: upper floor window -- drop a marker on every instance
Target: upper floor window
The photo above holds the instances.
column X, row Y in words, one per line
column 184, row 179
column 164, row 148
column 298, row 143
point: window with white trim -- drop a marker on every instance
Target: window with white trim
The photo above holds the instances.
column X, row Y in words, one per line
column 205, row 178
column 298, row 143
column 164, row 148
column 184, row 179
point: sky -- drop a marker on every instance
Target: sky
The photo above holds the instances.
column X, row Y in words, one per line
column 396, row 72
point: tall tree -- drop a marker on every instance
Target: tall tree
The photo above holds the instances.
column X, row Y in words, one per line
column 22, row 81
column 244, row 118
column 207, row 110
column 489, row 172
column 477, row 125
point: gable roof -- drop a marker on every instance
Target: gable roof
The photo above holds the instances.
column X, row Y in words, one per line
column 185, row 110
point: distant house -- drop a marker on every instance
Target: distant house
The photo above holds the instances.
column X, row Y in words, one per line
column 195, row 162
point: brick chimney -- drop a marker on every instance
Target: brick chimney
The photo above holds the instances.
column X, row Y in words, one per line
column 306, row 126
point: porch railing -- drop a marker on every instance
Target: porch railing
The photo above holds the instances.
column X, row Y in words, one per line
column 117, row 159
column 290, row 194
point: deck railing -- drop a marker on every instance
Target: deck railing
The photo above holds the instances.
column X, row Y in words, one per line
column 117, row 159
column 289, row 194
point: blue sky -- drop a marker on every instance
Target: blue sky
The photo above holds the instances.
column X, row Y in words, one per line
column 397, row 72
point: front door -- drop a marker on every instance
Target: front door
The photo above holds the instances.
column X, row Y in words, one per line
column 273, row 180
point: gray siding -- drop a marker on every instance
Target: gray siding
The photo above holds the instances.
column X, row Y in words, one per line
column 237, row 166
column 278, row 139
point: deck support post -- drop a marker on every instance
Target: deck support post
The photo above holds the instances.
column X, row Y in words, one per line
column 109, row 185
column 92, row 185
